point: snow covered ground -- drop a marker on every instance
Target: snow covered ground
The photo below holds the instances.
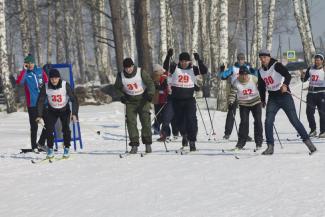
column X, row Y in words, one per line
column 96, row 182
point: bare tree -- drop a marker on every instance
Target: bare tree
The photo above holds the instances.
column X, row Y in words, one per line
column 270, row 24
column 223, row 85
column 58, row 33
column 195, row 32
column 115, row 6
column 163, row 30
column 49, row 32
column 37, row 32
column 142, row 35
column 214, row 37
column 23, row 18
column 130, row 28
column 4, row 69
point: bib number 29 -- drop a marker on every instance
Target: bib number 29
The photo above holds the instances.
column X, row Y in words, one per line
column 183, row 78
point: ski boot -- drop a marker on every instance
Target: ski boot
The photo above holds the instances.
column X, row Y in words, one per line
column 321, row 135
column 192, row 146
column 310, row 146
column 226, row 137
column 184, row 141
column 134, row 150
column 50, row 154
column 249, row 139
column 148, row 148
column 269, row 150
column 66, row 153
column 312, row 133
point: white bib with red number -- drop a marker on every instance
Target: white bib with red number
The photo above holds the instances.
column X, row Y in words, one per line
column 246, row 91
column 184, row 78
column 317, row 77
column 133, row 86
column 57, row 98
column 235, row 74
column 273, row 80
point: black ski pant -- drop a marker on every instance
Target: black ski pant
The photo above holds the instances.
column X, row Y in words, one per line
column 244, row 125
column 52, row 117
column 185, row 113
column 316, row 100
column 32, row 113
column 230, row 120
column 169, row 118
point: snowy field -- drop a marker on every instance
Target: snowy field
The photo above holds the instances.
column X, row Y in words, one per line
column 96, row 182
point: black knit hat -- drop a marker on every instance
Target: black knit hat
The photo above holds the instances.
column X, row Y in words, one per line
column 241, row 56
column 184, row 56
column 54, row 73
column 127, row 62
column 243, row 70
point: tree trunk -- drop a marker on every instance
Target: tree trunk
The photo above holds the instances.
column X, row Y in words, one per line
column 25, row 40
column 253, row 54
column 302, row 30
column 79, row 34
column 309, row 34
column 117, row 32
column 214, row 34
column 270, row 24
column 58, row 33
column 187, row 26
column 163, row 30
column 205, row 33
column 38, row 43
column 259, row 27
column 142, row 36
column 195, row 33
column 67, row 19
column 4, row 69
column 49, row 32
column 131, row 29
column 222, row 101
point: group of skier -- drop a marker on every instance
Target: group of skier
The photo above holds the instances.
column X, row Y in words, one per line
column 47, row 99
column 171, row 88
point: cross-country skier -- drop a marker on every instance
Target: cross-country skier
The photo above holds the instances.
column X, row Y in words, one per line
column 275, row 78
column 33, row 79
column 245, row 90
column 316, row 95
column 183, row 80
column 232, row 73
column 136, row 89
column 58, row 93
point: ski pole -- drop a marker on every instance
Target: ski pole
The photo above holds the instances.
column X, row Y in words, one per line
column 165, row 146
column 126, row 133
column 202, row 118
column 156, row 115
column 302, row 86
column 278, row 136
column 233, row 114
column 320, row 111
column 206, row 102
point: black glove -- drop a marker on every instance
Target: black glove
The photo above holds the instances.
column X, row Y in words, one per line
column 231, row 106
column 196, row 56
column 222, row 68
column 170, row 52
column 123, row 99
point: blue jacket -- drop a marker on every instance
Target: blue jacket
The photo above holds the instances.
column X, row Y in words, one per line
column 33, row 80
column 228, row 72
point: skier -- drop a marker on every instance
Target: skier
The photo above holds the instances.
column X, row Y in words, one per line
column 58, row 93
column 316, row 95
column 275, row 78
column 232, row 73
column 33, row 79
column 136, row 89
column 245, row 90
column 183, row 80
column 165, row 109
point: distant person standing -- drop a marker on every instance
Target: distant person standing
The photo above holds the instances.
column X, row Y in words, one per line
column 33, row 79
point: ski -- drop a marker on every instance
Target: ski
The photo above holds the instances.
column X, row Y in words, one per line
column 40, row 161
column 229, row 152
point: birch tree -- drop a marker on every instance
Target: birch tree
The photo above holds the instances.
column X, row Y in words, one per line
column 259, row 27
column 49, row 32
column 58, row 33
column 23, row 20
column 195, row 33
column 163, row 30
column 130, row 28
column 37, row 32
column 214, row 20
column 270, row 24
column 205, row 33
column 222, row 86
column 307, row 25
column 302, row 29
column 142, row 35
column 4, row 69
column 187, row 26
column 253, row 53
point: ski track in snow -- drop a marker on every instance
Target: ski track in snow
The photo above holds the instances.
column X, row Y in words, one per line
column 96, row 182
